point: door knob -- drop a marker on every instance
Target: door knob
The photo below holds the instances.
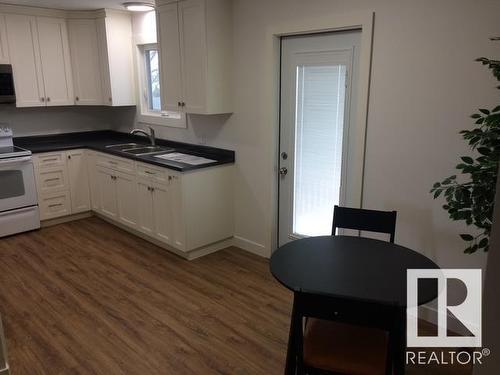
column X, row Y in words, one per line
column 283, row 171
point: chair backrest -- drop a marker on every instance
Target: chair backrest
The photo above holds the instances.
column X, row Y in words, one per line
column 368, row 220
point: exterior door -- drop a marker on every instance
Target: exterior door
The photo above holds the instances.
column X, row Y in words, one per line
column 318, row 76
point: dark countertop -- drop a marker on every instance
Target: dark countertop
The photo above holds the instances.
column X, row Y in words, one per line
column 98, row 140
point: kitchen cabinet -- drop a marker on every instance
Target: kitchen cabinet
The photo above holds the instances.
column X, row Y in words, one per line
column 145, row 211
column 115, row 50
column 157, row 214
column 170, row 57
column 189, row 213
column 196, row 45
column 108, row 204
column 4, row 49
column 78, row 181
column 62, row 183
column 117, row 194
column 39, row 53
column 85, row 61
column 55, row 61
column 126, row 196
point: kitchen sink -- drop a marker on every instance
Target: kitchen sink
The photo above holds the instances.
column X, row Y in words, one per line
column 124, row 146
column 139, row 149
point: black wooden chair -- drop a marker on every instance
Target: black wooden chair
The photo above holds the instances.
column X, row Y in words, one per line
column 366, row 220
column 345, row 347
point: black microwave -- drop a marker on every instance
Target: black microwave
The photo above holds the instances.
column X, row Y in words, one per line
column 7, row 91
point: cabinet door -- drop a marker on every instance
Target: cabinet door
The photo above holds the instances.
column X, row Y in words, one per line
column 194, row 54
column 126, row 194
column 85, row 62
column 24, row 54
column 93, row 185
column 4, row 49
column 78, row 181
column 107, row 192
column 116, row 55
column 162, row 206
column 167, row 21
column 178, row 225
column 145, row 207
column 55, row 57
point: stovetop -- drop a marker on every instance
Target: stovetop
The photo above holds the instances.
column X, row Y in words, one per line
column 13, row 152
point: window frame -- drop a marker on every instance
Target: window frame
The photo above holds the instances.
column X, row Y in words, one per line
column 144, row 114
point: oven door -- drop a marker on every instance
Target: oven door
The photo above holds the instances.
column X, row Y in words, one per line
column 17, row 183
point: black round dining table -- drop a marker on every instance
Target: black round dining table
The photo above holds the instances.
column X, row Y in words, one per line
column 352, row 270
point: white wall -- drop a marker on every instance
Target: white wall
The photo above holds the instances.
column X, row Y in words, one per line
column 39, row 121
column 424, row 86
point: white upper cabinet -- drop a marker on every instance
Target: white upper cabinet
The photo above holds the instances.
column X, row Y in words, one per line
column 204, row 47
column 25, row 59
column 116, row 58
column 85, row 61
column 39, row 54
column 56, row 63
column 167, row 22
column 4, row 49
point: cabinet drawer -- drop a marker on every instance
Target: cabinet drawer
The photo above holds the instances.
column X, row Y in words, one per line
column 152, row 173
column 51, row 179
column 51, row 159
column 54, row 205
column 117, row 164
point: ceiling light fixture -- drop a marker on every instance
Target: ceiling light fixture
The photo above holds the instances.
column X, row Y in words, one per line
column 139, row 6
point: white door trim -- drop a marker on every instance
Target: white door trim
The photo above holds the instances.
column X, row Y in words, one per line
column 351, row 21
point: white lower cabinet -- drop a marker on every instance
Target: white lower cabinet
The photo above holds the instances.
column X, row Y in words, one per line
column 106, row 190
column 187, row 212
column 146, row 220
column 62, row 183
column 78, row 181
column 126, row 197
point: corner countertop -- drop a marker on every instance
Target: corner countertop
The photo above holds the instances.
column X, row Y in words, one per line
column 98, row 140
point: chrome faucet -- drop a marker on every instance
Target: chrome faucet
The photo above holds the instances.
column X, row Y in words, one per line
column 151, row 134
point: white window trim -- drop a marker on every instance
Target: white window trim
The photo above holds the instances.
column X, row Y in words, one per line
column 144, row 115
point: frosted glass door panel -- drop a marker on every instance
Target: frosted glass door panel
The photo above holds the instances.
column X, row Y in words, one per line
column 319, row 124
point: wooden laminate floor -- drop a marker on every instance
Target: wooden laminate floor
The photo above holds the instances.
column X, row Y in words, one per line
column 88, row 298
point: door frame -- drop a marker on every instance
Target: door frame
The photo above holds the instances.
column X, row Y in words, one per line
column 363, row 21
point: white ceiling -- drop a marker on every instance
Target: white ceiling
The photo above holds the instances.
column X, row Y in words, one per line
column 70, row 4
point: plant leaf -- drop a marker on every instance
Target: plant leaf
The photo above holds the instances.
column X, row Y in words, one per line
column 485, row 111
column 467, row 159
column 467, row 237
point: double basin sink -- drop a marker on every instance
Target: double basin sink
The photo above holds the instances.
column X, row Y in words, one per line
column 137, row 149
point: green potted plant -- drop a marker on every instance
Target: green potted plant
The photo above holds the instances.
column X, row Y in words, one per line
column 470, row 197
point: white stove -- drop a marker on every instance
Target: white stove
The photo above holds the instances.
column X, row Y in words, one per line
column 18, row 198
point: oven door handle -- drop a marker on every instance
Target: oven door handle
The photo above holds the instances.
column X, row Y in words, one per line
column 22, row 159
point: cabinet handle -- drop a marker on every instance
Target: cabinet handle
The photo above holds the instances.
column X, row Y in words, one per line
column 149, row 172
column 52, row 179
column 48, row 99
column 42, row 99
column 55, row 205
column 152, row 189
column 179, row 104
column 169, row 178
column 110, row 99
column 51, row 159
column 69, row 156
column 77, row 98
column 183, row 104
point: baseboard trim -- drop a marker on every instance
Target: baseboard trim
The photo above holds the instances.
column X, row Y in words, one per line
column 251, row 247
column 65, row 219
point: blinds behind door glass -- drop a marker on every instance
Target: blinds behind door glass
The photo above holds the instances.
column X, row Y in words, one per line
column 318, row 149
